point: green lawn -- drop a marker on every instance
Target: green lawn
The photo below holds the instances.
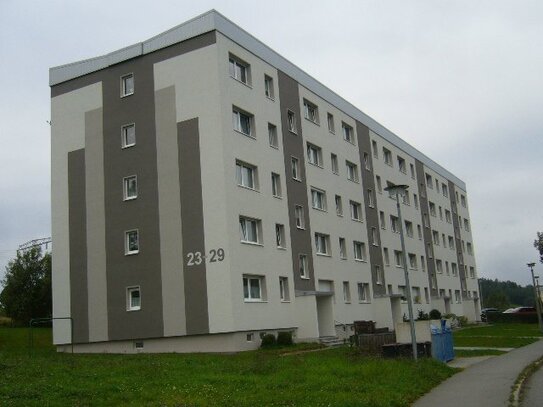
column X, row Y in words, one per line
column 462, row 353
column 497, row 336
column 331, row 377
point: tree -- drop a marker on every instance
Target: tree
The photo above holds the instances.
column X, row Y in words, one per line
column 538, row 244
column 27, row 286
column 497, row 300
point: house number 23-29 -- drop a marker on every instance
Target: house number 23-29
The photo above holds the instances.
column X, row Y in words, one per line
column 196, row 258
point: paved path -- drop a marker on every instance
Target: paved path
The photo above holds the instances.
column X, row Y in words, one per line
column 533, row 396
column 484, row 384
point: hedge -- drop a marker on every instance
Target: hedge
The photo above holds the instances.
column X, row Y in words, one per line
column 498, row 317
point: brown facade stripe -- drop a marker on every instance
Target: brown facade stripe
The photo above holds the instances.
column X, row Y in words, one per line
column 142, row 269
column 458, row 240
column 156, row 56
column 78, row 245
column 293, row 146
column 192, row 226
column 426, row 230
column 372, row 216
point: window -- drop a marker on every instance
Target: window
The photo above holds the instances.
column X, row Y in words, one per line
column 466, row 225
column 311, row 112
column 331, row 124
column 348, row 133
column 429, row 182
column 444, row 240
column 447, row 270
column 239, row 70
column 409, row 228
column 322, row 244
column 451, row 242
column 318, row 199
column 250, row 337
column 268, row 87
column 412, row 170
column 242, row 122
column 437, row 186
column 454, row 269
column 387, row 155
column 249, row 230
column 374, row 149
column 415, row 293
column 131, row 242
column 276, row 185
column 439, row 266
column 416, row 201
column 314, row 154
column 299, row 215
column 402, row 165
column 463, row 200
column 335, row 166
column 412, row 261
column 425, row 220
column 419, row 232
column 246, row 175
column 401, row 290
column 422, row 264
column 371, row 201
column 302, row 263
column 378, row 184
column 472, row 272
column 280, row 235
column 435, row 237
column 360, row 251
column 130, row 188
column 448, row 216
column 432, row 208
column 405, row 198
column 291, row 120
column 429, row 250
column 378, row 275
column 457, row 296
column 128, row 135
column 382, row 220
column 386, row 256
column 133, row 299
column 346, row 292
column 363, row 292
column 374, row 237
column 127, row 85
column 339, row 205
column 295, row 163
column 367, row 165
column 445, row 190
column 440, row 213
column 342, row 248
column 356, row 210
column 398, row 258
column 426, row 295
column 272, row 135
column 469, row 247
column 252, row 288
column 352, row 171
column 283, row 289
column 394, row 224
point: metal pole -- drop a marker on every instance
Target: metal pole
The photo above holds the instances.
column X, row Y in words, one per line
column 407, row 285
column 538, row 308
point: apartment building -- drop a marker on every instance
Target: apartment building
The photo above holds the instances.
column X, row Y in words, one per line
column 205, row 191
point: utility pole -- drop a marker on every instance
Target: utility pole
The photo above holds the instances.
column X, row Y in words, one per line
column 537, row 305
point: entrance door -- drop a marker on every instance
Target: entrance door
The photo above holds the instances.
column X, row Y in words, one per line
column 325, row 315
column 447, row 305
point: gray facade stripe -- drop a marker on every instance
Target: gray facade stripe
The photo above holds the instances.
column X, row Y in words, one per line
column 96, row 227
column 189, row 45
column 171, row 255
column 372, row 216
column 192, row 224
column 78, row 245
column 142, row 269
column 458, row 241
column 293, row 146
column 426, row 229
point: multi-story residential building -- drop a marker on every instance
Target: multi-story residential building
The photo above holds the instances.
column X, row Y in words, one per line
column 206, row 190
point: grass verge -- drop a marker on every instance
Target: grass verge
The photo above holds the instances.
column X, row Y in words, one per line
column 497, row 336
column 462, row 353
column 334, row 377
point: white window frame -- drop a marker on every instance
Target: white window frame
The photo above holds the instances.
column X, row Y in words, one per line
column 280, row 236
column 318, row 199
column 284, row 294
column 127, row 235
column 398, row 258
column 250, row 182
column 239, row 68
column 334, row 163
column 303, row 266
column 359, row 249
column 314, row 155
column 244, row 235
column 248, row 295
column 363, row 293
column 387, row 156
column 331, row 124
column 295, row 168
column 322, row 244
column 356, row 210
column 124, row 135
column 342, row 248
column 268, row 87
column 291, row 122
column 272, row 136
column 125, row 91
column 126, row 182
column 352, row 171
column 348, row 133
column 311, row 111
column 339, row 205
column 346, row 292
column 237, row 115
column 276, row 185
column 386, row 256
column 299, row 216
column 129, row 298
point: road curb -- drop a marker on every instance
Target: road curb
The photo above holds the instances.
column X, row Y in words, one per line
column 517, row 390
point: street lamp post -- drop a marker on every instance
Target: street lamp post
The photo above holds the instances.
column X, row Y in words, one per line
column 537, row 305
column 400, row 190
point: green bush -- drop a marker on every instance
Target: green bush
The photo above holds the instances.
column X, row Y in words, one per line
column 435, row 314
column 268, row 341
column 422, row 316
column 284, row 338
column 498, row 317
column 462, row 320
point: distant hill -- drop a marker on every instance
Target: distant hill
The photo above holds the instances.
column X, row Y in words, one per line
column 505, row 294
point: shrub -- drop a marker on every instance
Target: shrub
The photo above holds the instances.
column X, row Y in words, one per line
column 462, row 320
column 422, row 316
column 268, row 341
column 435, row 314
column 284, row 338
column 498, row 317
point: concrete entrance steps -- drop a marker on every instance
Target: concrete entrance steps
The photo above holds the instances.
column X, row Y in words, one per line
column 331, row 341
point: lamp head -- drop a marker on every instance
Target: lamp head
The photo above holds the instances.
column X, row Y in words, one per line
column 531, row 265
column 397, row 189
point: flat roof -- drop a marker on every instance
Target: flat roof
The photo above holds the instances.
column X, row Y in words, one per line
column 213, row 20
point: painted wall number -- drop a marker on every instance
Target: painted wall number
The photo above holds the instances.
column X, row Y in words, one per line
column 196, row 258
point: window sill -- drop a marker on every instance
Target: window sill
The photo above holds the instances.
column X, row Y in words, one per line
column 300, row 228
column 361, row 260
column 281, row 248
column 133, row 310
column 128, row 146
column 358, row 220
column 248, row 188
column 277, row 197
column 274, row 147
column 296, row 179
column 323, row 254
column 131, row 253
column 240, row 81
column 343, row 258
column 312, row 121
column 249, row 301
column 251, row 243
column 245, row 134
column 270, row 98
column 315, row 164
column 352, row 180
column 319, row 209
column 129, row 199
column 295, row 132
column 364, row 302
column 305, row 278
column 126, row 95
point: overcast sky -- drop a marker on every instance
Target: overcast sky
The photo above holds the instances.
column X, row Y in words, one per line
column 462, row 81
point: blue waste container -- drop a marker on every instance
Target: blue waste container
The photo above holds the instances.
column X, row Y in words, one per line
column 442, row 342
